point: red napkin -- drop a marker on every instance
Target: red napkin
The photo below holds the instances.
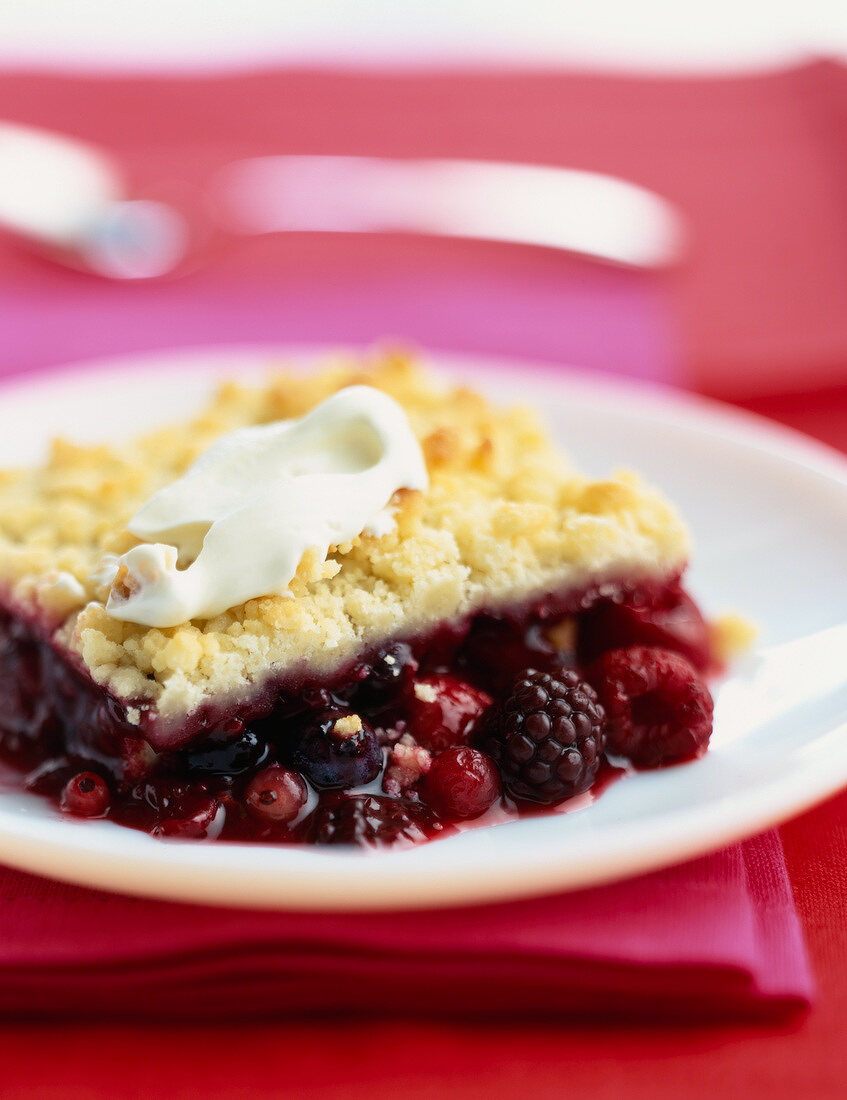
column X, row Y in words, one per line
column 718, row 936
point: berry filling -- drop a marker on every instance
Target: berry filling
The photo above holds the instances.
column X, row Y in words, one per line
column 511, row 714
column 672, row 621
column 462, row 783
column 85, row 795
column 658, row 711
column 444, row 711
column 276, row 795
column 334, row 750
column 549, row 736
column 370, row 821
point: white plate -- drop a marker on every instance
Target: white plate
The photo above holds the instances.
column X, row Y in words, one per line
column 768, row 509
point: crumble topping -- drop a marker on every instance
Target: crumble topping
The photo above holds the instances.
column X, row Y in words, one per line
column 731, row 636
column 506, row 517
column 348, row 726
column 407, row 763
column 425, row 692
column 563, row 634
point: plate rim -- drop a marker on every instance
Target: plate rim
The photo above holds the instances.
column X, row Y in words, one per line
column 164, row 872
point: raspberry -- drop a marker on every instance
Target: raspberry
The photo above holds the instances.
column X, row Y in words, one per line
column 85, row 795
column 658, row 709
column 462, row 783
column 367, row 820
column 549, row 736
column 444, row 711
column 671, row 621
column 337, row 750
column 276, row 795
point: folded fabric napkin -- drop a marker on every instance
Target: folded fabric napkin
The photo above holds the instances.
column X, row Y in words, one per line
column 715, row 937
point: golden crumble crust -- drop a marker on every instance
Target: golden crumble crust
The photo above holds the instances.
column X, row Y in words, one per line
column 506, row 517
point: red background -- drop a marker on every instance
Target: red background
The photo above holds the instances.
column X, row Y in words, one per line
column 406, row 1058
column 762, row 311
column 757, row 164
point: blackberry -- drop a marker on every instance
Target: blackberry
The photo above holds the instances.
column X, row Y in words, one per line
column 659, row 710
column 548, row 737
column 367, row 820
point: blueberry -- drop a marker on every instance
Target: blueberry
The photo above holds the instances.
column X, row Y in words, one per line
column 337, row 750
column 228, row 757
column 385, row 676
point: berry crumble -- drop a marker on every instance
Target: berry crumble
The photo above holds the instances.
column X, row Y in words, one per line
column 358, row 607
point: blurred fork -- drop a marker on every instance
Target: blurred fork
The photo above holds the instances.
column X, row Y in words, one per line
column 68, row 200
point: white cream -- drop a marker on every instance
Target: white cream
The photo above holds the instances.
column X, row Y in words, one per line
column 250, row 507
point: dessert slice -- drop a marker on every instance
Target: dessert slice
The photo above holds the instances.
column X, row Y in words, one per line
column 354, row 605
